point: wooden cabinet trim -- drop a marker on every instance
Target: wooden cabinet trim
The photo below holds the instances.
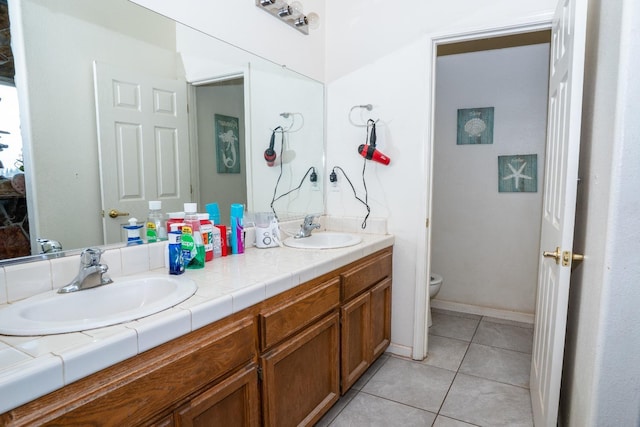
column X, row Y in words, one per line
column 282, row 320
column 355, row 339
column 365, row 274
column 245, row 379
column 380, row 318
column 272, row 417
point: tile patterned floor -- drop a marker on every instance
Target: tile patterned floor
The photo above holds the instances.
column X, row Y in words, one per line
column 476, row 374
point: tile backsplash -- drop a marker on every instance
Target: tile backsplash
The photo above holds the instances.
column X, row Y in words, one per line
column 20, row 281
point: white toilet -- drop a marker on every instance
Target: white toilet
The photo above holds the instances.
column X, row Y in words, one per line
column 434, row 287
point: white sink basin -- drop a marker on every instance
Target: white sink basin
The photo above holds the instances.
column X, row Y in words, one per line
column 121, row 301
column 324, row 240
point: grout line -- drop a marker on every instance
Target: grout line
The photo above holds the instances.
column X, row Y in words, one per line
column 458, row 369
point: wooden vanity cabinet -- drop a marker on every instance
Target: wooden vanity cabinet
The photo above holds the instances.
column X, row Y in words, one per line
column 366, row 316
column 300, row 354
column 282, row 362
column 146, row 389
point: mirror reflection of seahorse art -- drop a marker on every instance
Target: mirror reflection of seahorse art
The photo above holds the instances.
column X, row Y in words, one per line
column 229, row 153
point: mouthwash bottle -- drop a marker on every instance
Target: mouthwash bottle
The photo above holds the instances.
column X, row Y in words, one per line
column 156, row 230
column 193, row 251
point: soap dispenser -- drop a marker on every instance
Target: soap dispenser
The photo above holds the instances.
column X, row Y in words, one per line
column 133, row 232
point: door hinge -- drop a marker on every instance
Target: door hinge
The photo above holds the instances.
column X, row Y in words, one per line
column 259, row 370
column 427, row 223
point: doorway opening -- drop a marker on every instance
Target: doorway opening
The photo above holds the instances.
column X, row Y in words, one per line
column 489, row 129
column 219, row 129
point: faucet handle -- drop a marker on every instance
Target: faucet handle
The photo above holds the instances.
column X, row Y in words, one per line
column 49, row 245
column 308, row 219
column 91, row 256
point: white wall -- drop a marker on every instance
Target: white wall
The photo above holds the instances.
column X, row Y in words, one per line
column 373, row 56
column 362, row 31
column 485, row 243
column 243, row 24
column 600, row 380
column 396, row 192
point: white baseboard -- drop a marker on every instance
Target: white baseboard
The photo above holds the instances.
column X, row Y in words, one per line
column 399, row 350
column 483, row 311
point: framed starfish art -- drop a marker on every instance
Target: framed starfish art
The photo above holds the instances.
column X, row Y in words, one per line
column 518, row 174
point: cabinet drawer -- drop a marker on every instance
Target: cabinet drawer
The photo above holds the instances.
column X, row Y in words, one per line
column 284, row 319
column 365, row 275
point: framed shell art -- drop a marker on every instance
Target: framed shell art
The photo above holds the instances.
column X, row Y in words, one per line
column 475, row 126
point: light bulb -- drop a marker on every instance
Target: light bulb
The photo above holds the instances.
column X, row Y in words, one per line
column 313, row 20
column 297, row 7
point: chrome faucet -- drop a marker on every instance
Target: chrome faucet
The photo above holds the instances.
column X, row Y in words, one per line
column 89, row 267
column 307, row 227
column 50, row 248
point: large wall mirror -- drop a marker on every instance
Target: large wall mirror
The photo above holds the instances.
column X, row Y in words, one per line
column 57, row 47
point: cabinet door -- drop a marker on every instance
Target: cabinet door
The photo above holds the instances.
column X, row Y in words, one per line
column 380, row 318
column 356, row 343
column 233, row 402
column 301, row 376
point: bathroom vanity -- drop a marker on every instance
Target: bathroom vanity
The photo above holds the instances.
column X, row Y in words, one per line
column 283, row 360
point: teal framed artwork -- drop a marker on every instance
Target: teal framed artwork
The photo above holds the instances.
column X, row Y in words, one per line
column 475, row 126
column 227, row 136
column 518, row 174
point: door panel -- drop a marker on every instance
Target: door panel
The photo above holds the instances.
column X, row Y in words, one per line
column 559, row 201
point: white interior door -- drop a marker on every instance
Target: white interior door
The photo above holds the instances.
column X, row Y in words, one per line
column 144, row 145
column 559, row 202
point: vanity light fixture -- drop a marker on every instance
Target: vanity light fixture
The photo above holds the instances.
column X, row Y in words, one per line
column 290, row 14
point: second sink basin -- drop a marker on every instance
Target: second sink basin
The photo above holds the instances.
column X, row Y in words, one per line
column 124, row 300
column 324, row 240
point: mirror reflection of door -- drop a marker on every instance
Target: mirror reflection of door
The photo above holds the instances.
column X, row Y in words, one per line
column 144, row 145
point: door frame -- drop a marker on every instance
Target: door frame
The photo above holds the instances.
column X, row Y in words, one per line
column 423, row 269
column 242, row 73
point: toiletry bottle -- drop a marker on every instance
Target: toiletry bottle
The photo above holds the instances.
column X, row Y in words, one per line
column 133, row 232
column 224, row 246
column 156, row 230
column 216, row 240
column 176, row 263
column 237, row 230
column 192, row 244
column 206, row 229
column 214, row 212
column 174, row 217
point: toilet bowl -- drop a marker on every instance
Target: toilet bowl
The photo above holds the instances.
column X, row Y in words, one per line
column 435, row 283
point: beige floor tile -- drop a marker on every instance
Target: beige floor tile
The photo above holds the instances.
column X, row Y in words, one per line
column 411, row 383
column 505, row 366
column 487, row 403
column 365, row 410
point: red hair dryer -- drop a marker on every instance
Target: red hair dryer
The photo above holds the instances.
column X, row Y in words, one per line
column 369, row 151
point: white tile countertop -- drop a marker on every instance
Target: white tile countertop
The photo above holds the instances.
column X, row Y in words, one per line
column 31, row 367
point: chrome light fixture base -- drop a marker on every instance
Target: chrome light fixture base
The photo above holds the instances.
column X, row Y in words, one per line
column 285, row 13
